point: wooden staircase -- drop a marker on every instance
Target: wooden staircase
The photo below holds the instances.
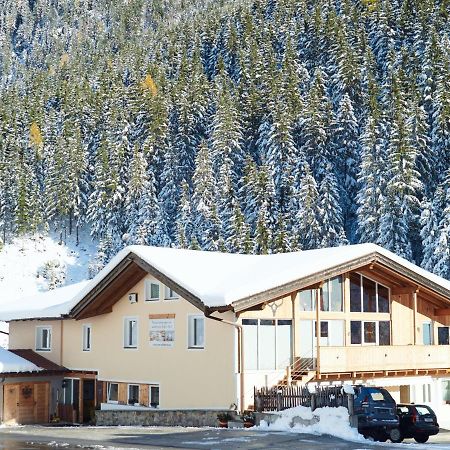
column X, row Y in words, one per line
column 300, row 372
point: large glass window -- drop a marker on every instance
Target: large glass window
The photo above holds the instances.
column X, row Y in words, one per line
column 367, row 295
column 267, row 343
column 331, row 295
column 370, row 332
column 355, row 292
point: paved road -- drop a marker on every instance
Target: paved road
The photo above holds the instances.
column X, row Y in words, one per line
column 33, row 437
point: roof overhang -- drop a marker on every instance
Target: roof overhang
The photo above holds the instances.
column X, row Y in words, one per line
column 101, row 298
column 355, row 264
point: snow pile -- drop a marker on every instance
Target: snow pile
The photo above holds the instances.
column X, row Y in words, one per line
column 12, row 363
column 331, row 421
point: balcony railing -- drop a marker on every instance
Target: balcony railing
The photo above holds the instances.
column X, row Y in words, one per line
column 386, row 357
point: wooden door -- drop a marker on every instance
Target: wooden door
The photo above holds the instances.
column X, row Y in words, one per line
column 10, row 403
column 41, row 405
column 27, row 403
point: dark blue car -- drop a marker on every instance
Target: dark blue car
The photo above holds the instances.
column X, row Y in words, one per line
column 376, row 413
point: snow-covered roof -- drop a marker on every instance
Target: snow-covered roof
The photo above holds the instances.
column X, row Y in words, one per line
column 11, row 363
column 50, row 304
column 223, row 279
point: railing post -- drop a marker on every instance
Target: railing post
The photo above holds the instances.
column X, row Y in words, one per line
column 288, row 375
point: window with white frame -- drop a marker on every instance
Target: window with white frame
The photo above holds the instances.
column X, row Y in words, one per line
column 133, row 394
column 87, row 338
column 43, row 339
column 331, row 296
column 169, row 293
column 196, row 332
column 367, row 295
column 113, row 392
column 154, row 396
column 370, row 332
column 130, row 332
column 151, row 291
column 267, row 343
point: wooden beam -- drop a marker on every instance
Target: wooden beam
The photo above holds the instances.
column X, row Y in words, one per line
column 442, row 312
column 405, row 290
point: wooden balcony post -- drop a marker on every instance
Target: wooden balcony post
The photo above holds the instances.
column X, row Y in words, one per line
column 294, row 328
column 415, row 316
column 318, row 328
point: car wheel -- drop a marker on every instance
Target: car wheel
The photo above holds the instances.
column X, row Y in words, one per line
column 395, row 435
column 421, row 438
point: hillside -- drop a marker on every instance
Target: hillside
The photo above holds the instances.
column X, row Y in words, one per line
column 252, row 126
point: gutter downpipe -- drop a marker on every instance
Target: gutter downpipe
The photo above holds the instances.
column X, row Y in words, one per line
column 240, row 331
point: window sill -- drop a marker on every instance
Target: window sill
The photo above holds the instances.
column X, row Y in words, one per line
column 152, row 299
column 129, row 347
column 196, row 348
column 171, row 298
column 43, row 349
column 86, row 349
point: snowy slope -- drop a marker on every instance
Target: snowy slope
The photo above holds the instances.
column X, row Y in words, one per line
column 33, row 264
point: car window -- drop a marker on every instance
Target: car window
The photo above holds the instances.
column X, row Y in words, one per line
column 402, row 410
column 377, row 396
column 423, row 410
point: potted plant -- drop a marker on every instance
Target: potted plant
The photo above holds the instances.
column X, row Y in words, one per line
column 249, row 419
column 223, row 419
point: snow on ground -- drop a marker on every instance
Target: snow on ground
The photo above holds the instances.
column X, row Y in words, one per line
column 33, row 264
column 332, row 421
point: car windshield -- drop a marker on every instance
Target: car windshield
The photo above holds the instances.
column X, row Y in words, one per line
column 423, row 410
column 378, row 395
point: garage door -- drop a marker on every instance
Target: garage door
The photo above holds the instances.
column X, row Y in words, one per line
column 26, row 403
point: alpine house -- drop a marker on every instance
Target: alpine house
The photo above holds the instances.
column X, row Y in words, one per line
column 183, row 329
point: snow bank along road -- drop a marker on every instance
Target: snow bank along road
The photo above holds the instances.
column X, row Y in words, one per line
column 36, row 437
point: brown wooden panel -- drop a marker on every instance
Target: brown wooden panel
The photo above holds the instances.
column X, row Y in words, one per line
column 10, row 402
column 123, row 394
column 143, row 394
column 42, row 391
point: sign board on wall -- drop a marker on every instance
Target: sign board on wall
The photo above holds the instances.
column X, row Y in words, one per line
column 162, row 330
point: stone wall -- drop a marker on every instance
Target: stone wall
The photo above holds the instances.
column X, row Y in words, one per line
column 183, row 418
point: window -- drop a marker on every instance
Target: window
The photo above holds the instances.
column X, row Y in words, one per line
column 331, row 298
column 170, row 294
column 130, row 332
column 133, row 394
column 370, row 335
column 443, row 336
column 154, row 396
column 87, row 334
column 113, row 392
column 151, row 291
column 307, row 300
column 384, row 328
column 196, row 332
column 355, row 332
column 367, row 295
column 370, row 332
column 267, row 343
column 71, row 392
column 355, row 292
column 43, row 339
column 427, row 333
column 323, row 329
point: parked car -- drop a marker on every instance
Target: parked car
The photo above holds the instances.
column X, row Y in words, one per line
column 416, row 421
column 376, row 413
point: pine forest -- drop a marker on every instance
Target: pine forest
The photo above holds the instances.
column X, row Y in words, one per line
column 252, row 126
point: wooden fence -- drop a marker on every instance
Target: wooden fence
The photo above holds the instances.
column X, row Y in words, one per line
column 278, row 398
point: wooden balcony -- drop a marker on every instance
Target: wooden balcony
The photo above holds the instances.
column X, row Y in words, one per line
column 389, row 358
